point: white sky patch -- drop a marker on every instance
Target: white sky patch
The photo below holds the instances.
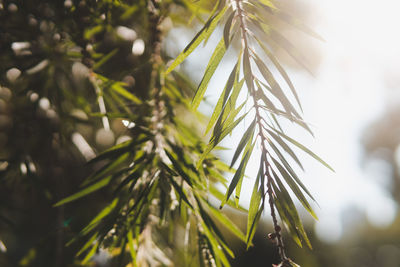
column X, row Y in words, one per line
column 345, row 97
column 329, row 229
column 381, row 211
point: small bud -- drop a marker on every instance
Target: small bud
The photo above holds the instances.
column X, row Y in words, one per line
column 277, row 228
column 271, row 236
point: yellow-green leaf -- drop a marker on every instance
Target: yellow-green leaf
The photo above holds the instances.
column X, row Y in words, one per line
column 243, row 141
column 227, row 29
column 226, row 222
column 302, row 147
column 212, row 66
column 125, row 93
column 222, row 99
column 295, row 189
column 132, row 249
column 90, row 189
column 200, row 36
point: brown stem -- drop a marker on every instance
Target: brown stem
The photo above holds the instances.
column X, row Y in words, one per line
column 245, row 43
column 156, row 82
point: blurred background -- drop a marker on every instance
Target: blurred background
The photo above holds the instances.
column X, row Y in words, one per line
column 351, row 100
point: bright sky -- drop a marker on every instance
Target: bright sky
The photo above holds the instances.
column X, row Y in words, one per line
column 362, row 44
column 348, row 92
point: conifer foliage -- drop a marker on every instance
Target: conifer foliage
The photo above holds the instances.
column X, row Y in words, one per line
column 92, row 105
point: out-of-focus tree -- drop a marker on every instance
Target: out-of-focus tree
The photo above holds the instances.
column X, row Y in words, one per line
column 102, row 155
column 381, row 142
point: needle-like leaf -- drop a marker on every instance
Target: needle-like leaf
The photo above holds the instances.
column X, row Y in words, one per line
column 223, row 98
column 211, row 67
column 296, row 190
column 245, row 138
column 90, row 189
column 238, row 175
column 206, row 31
column 254, row 209
column 227, row 29
column 305, row 149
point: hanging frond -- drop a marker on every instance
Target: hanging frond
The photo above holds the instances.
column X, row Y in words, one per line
column 275, row 177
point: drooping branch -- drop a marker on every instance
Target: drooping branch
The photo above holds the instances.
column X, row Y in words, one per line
column 259, row 120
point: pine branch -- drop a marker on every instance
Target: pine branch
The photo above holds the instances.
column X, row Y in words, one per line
column 259, row 119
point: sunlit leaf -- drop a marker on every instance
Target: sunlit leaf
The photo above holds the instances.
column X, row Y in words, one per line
column 219, row 255
column 281, row 70
column 245, row 138
column 103, row 213
column 132, row 249
column 222, row 99
column 226, row 118
column 254, row 210
column 200, row 36
column 295, row 235
column 125, row 93
column 90, row 32
column 290, row 210
column 213, row 142
column 285, row 147
column 90, row 253
column 292, row 173
column 90, row 189
column 267, row 3
column 290, row 49
column 227, row 29
column 248, row 75
column 220, row 196
column 226, row 222
column 302, row 147
column 238, row 175
column 249, row 148
column 229, row 112
column 291, row 20
column 276, row 89
column 294, row 187
column 211, row 67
